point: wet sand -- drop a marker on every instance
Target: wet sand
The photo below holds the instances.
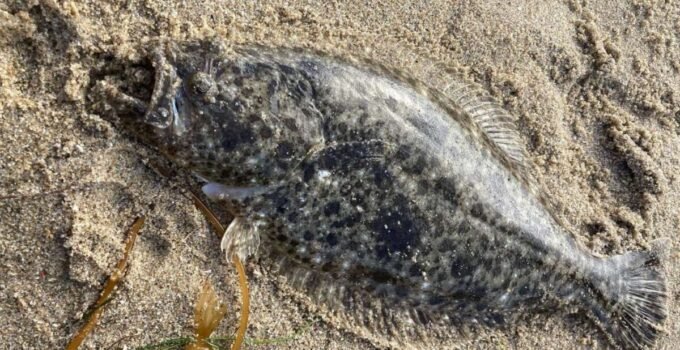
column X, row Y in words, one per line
column 595, row 88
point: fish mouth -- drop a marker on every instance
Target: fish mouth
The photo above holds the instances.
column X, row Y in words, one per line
column 162, row 112
column 131, row 100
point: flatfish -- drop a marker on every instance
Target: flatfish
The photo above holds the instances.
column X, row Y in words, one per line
column 392, row 205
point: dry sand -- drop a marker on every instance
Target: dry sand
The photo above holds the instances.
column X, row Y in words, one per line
column 595, row 86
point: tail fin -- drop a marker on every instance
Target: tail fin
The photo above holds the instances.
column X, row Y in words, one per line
column 635, row 310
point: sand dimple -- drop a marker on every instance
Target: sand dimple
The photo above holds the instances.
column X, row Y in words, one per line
column 595, row 88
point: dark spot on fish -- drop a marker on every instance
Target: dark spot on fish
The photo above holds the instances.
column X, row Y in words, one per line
column 229, row 143
column 524, row 290
column 381, row 175
column 308, row 172
column 447, row 187
column 308, row 67
column 565, row 291
column 254, row 118
column 478, row 211
column 445, row 245
column 332, row 239
column 381, row 252
column 461, row 268
column 304, row 88
column 287, row 69
column 478, row 292
column 352, row 246
column 308, row 236
column 272, row 87
column 358, row 197
column 328, row 160
column 400, row 291
column 415, row 271
column 420, row 123
column 265, row 132
column 247, row 91
column 415, row 166
column 396, row 229
column 284, row 150
column 423, row 186
column 346, row 189
column 463, row 227
column 281, row 204
column 441, row 276
column 363, row 117
column 342, row 128
column 331, row 208
column 347, row 221
column 293, row 216
column 496, row 319
column 391, row 104
column 328, row 267
column 290, row 124
column 381, row 275
column 436, row 300
column 509, row 230
column 496, row 270
column 403, row 153
column 246, row 135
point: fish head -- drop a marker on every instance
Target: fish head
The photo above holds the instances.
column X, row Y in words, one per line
column 235, row 118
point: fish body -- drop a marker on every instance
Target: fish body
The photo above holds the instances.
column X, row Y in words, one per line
column 384, row 200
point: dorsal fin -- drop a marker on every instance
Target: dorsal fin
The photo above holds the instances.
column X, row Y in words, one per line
column 488, row 115
column 450, row 87
column 495, row 121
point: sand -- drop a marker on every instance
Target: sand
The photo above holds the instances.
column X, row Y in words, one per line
column 595, row 87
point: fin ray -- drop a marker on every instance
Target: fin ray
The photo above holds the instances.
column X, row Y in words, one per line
column 633, row 315
column 483, row 111
column 351, row 307
column 242, row 238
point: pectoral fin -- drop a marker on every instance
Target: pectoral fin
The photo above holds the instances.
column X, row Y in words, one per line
column 241, row 238
column 217, row 191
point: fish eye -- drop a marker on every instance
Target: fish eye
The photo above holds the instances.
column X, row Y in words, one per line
column 201, row 83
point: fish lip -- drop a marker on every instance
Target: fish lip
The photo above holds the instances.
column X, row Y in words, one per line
column 160, row 112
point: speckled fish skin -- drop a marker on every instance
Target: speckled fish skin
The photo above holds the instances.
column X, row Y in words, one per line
column 363, row 186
